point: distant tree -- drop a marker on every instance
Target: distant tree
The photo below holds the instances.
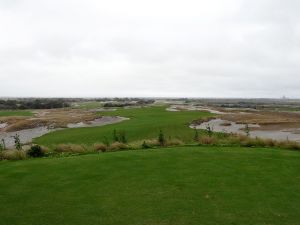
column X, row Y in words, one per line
column 209, row 130
column 247, row 130
column 122, row 137
column 115, row 136
column 105, row 141
column 17, row 141
column 196, row 136
column 161, row 138
column 2, row 145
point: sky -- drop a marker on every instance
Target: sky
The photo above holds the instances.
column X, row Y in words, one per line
column 157, row 48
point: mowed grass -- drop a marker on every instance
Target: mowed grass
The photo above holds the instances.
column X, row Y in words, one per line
column 15, row 113
column 187, row 185
column 144, row 123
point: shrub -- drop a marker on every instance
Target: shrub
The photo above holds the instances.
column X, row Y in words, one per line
column 73, row 148
column 35, row 151
column 145, row 145
column 161, row 138
column 100, row 147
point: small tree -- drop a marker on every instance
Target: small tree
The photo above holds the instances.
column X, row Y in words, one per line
column 196, row 136
column 209, row 130
column 2, row 145
column 115, row 136
column 161, row 138
column 247, row 130
column 17, row 141
column 105, row 141
column 122, row 137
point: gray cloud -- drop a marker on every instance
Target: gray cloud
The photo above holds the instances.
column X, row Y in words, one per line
column 234, row 48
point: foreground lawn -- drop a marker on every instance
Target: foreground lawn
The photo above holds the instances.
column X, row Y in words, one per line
column 188, row 185
column 144, row 123
column 15, row 113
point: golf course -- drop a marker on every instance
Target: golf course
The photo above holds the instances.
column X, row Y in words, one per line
column 209, row 179
column 184, row 185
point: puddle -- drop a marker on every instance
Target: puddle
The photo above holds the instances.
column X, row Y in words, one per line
column 27, row 135
column 226, row 126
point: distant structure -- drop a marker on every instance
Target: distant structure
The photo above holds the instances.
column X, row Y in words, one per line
column 284, row 97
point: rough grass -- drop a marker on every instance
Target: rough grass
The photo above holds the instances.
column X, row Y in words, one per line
column 144, row 123
column 199, row 185
column 13, row 154
column 6, row 113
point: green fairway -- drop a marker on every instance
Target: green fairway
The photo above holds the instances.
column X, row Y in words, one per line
column 15, row 113
column 144, row 123
column 187, row 185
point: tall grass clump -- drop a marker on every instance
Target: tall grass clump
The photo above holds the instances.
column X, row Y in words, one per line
column 71, row 148
column 118, row 146
column 100, row 147
column 13, row 155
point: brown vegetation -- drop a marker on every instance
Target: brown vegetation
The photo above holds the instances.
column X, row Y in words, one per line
column 266, row 119
column 71, row 148
column 54, row 118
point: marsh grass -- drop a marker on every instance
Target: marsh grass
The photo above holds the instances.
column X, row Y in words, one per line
column 71, row 148
column 100, row 147
column 245, row 141
column 13, row 154
column 118, row 146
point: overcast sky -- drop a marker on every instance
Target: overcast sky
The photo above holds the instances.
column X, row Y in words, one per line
column 162, row 48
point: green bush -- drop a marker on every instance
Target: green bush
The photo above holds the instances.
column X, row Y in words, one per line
column 161, row 138
column 36, row 151
column 145, row 145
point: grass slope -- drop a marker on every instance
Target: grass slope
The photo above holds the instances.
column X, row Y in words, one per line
column 15, row 113
column 144, row 123
column 195, row 185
